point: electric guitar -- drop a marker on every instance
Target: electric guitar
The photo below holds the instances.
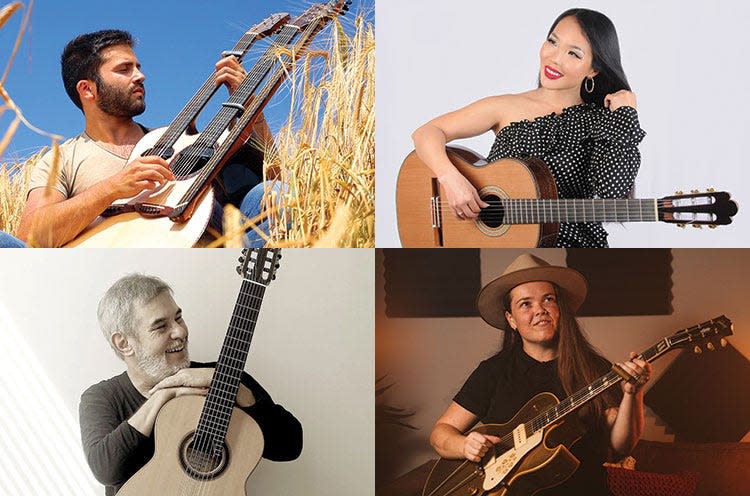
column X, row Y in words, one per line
column 524, row 210
column 534, row 450
column 205, row 445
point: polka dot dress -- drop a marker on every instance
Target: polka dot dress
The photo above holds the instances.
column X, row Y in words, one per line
column 591, row 151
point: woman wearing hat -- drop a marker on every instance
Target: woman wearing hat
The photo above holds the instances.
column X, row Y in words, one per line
column 534, row 303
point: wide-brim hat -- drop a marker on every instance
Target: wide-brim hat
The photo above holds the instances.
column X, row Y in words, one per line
column 528, row 268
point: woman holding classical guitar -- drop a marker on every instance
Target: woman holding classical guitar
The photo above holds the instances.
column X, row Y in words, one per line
column 581, row 121
column 543, row 350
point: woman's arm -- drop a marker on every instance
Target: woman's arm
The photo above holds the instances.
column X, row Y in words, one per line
column 448, row 437
column 626, row 422
column 431, row 138
column 615, row 158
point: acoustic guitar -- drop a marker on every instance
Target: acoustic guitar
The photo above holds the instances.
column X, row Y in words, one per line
column 205, row 445
column 177, row 213
column 533, row 453
column 524, row 210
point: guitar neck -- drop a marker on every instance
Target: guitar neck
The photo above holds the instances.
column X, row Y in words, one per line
column 247, row 119
column 235, row 105
column 222, row 394
column 588, row 393
column 537, row 211
column 164, row 146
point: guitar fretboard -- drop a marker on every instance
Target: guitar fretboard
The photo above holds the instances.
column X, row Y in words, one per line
column 217, row 410
column 255, row 107
column 536, row 211
column 586, row 394
column 195, row 105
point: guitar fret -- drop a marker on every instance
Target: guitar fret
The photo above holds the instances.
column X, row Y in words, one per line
column 542, row 211
column 220, row 403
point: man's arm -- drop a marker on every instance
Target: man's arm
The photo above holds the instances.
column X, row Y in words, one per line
column 51, row 219
column 282, row 432
column 109, row 443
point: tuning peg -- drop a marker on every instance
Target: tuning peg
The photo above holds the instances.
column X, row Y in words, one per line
column 723, row 343
column 711, row 346
column 682, row 226
column 678, row 193
column 697, row 226
column 710, row 190
column 697, row 350
column 694, row 191
column 712, row 226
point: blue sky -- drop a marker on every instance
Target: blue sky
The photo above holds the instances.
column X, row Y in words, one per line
column 178, row 44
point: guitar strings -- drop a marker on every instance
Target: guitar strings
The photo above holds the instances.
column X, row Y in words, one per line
column 197, row 101
column 214, row 128
column 217, row 414
column 249, row 84
column 534, row 211
column 250, row 112
column 587, row 393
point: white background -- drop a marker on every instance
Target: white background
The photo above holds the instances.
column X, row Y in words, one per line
column 312, row 349
column 686, row 62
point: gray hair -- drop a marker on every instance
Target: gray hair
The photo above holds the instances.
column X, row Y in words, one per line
column 116, row 308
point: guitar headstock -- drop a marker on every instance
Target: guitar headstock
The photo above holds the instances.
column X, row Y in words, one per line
column 709, row 334
column 269, row 25
column 259, row 264
column 321, row 11
column 711, row 208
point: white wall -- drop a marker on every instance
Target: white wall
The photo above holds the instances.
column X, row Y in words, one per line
column 428, row 360
column 312, row 349
column 685, row 61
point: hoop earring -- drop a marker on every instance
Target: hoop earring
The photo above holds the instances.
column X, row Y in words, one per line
column 586, row 85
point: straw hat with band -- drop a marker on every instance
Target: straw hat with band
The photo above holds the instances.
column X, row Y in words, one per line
column 528, row 268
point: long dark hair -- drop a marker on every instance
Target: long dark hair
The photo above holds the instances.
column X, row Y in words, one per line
column 578, row 362
column 602, row 36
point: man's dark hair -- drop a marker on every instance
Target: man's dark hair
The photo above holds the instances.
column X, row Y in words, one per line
column 81, row 58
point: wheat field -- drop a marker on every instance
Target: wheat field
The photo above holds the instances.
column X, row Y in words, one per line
column 324, row 153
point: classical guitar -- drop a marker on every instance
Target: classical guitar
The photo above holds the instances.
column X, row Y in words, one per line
column 159, row 218
column 534, row 450
column 205, row 445
column 524, row 209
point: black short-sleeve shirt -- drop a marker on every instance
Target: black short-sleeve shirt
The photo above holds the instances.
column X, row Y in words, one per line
column 505, row 382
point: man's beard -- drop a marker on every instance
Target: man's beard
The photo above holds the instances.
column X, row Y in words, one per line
column 119, row 103
column 156, row 366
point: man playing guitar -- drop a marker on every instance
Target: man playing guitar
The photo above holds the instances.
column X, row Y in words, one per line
column 102, row 76
column 144, row 326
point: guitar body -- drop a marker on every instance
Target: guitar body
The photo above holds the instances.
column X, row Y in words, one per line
column 165, row 473
column 132, row 230
column 505, row 178
column 543, row 461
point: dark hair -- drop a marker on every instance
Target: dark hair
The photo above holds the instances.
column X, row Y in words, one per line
column 578, row 362
column 81, row 58
column 602, row 36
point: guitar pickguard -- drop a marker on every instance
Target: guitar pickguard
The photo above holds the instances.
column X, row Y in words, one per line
column 497, row 469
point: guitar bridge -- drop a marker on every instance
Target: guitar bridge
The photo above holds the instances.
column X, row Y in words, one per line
column 435, row 211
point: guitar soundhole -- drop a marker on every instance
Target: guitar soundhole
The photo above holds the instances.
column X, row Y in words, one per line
column 200, row 462
column 492, row 216
column 191, row 160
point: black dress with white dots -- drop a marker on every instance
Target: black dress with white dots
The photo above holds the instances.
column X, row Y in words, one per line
column 591, row 151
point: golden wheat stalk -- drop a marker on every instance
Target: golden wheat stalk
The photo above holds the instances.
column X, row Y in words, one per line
column 326, row 151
